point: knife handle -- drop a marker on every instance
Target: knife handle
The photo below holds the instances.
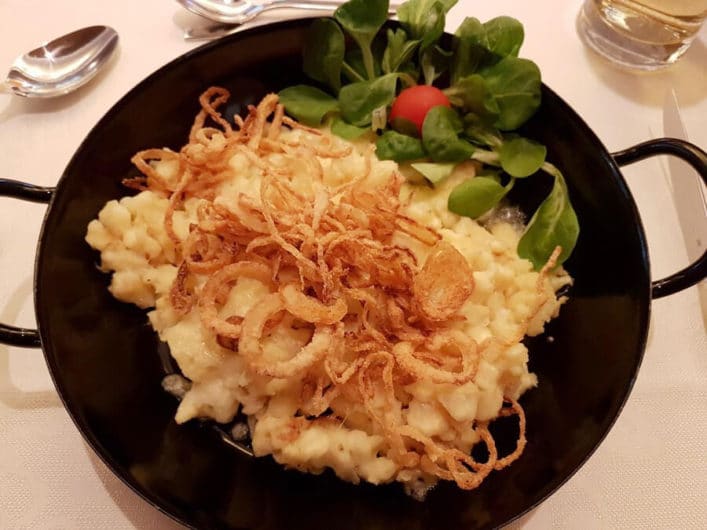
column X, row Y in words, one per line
column 697, row 158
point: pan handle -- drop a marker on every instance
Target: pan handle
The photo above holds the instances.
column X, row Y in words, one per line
column 22, row 337
column 697, row 158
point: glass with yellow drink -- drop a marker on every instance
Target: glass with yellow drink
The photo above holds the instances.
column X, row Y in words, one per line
column 643, row 34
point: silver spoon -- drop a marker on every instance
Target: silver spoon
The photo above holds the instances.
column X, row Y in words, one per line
column 237, row 12
column 61, row 65
column 245, row 11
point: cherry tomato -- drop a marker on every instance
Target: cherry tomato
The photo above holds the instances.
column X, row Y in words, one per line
column 411, row 107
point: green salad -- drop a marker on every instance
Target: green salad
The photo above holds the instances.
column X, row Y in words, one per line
column 434, row 102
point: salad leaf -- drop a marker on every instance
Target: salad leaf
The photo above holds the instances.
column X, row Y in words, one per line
column 504, row 36
column 469, row 49
column 476, row 196
column 472, row 30
column 434, row 62
column 515, row 84
column 431, row 27
column 323, row 53
column 358, row 100
column 308, row 104
column 472, row 94
column 495, row 91
column 487, row 157
column 521, row 157
column 415, row 15
column 553, row 224
column 399, row 50
column 362, row 19
column 480, row 132
column 347, row 131
column 478, row 45
column 424, row 20
column 353, row 67
column 399, row 147
column 435, row 172
column 440, row 136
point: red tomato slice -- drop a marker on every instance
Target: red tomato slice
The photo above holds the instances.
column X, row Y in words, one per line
column 411, row 107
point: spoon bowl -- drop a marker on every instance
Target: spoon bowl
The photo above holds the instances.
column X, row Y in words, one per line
column 61, row 65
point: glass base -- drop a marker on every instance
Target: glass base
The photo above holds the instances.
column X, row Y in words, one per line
column 601, row 30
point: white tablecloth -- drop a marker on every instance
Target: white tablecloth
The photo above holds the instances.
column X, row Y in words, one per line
column 650, row 472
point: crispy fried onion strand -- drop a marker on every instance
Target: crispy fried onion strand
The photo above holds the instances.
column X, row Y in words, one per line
column 251, row 349
column 333, row 259
column 215, row 290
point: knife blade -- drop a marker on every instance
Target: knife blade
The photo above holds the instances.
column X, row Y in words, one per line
column 688, row 190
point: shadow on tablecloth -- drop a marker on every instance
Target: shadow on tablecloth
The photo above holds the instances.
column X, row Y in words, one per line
column 12, row 395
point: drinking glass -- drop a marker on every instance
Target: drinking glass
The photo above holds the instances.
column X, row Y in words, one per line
column 641, row 34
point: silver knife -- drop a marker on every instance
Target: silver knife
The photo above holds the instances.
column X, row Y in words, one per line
column 688, row 189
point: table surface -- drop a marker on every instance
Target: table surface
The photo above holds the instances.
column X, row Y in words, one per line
column 650, row 472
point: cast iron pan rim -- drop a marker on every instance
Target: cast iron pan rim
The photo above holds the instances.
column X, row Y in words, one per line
column 605, row 157
column 164, row 505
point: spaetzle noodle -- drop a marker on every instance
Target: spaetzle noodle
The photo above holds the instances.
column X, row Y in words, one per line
column 360, row 325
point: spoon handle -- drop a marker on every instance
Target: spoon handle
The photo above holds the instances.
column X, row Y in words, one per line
column 314, row 5
column 216, row 30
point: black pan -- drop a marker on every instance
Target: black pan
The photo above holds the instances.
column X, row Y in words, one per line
column 106, row 362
